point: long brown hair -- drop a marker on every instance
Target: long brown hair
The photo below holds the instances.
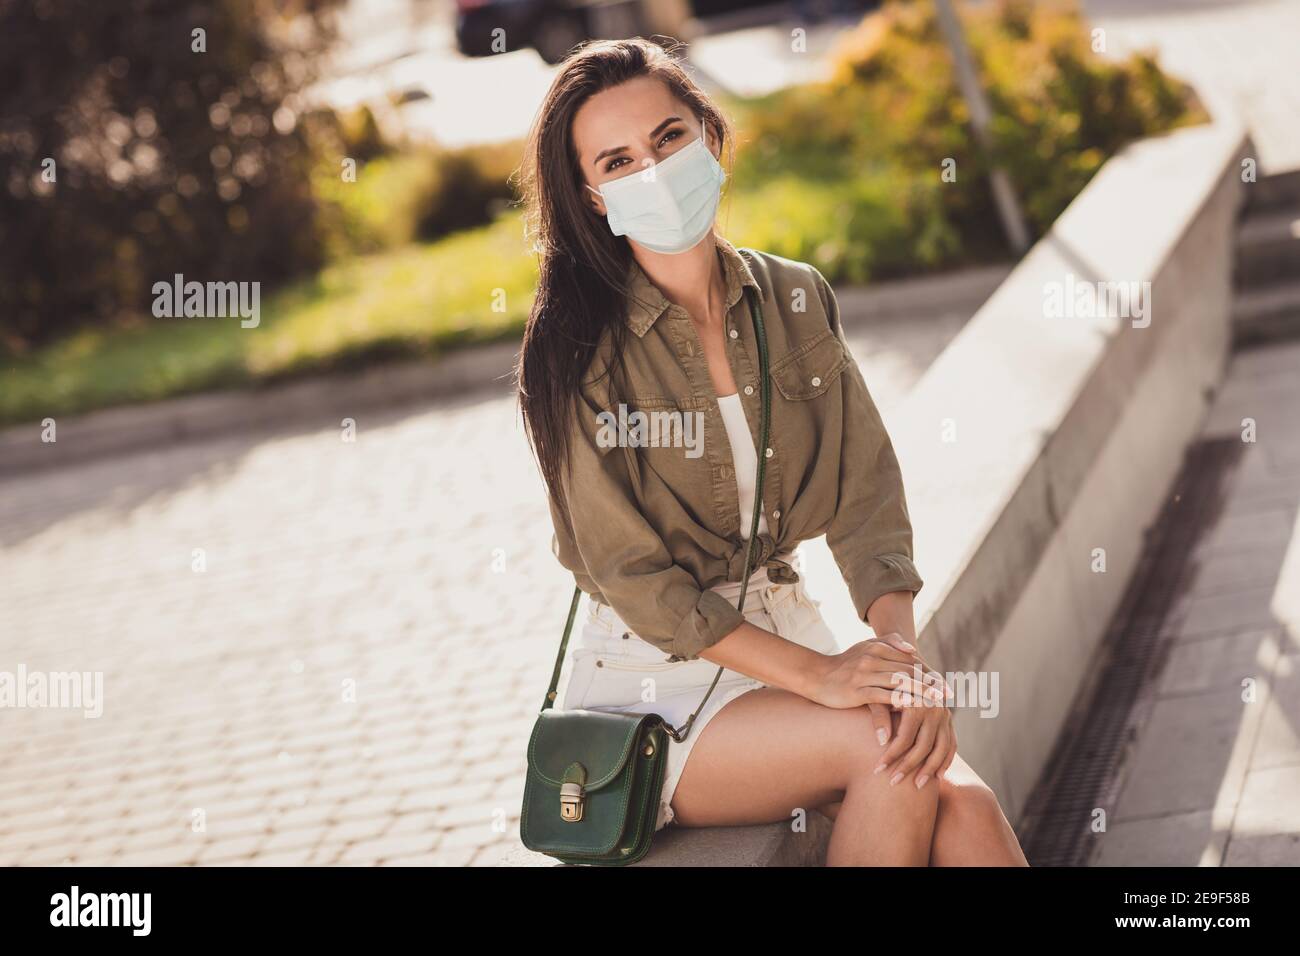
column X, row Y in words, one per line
column 581, row 290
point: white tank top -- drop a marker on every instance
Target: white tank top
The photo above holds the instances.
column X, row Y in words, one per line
column 745, row 459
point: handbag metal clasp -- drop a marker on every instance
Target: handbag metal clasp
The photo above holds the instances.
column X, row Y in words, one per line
column 571, row 800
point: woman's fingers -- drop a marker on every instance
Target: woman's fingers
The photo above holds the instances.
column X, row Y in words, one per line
column 938, row 754
column 910, row 690
column 892, row 648
column 904, row 736
column 920, row 749
column 882, row 720
column 895, row 640
column 952, row 749
column 878, row 672
column 873, row 672
column 896, row 691
column 935, row 679
column 869, row 694
column 881, row 651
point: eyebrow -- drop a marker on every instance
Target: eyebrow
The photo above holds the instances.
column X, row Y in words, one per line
column 653, row 133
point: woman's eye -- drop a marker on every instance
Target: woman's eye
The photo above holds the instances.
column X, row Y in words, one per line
column 620, row 161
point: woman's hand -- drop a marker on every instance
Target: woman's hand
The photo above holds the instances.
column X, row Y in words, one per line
column 885, row 671
column 923, row 740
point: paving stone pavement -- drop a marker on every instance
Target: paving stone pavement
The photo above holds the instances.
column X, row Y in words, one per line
column 312, row 651
column 1214, row 773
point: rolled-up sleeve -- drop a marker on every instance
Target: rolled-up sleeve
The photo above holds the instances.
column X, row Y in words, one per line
column 870, row 534
column 613, row 551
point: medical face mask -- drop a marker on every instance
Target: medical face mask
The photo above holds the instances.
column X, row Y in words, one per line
column 670, row 206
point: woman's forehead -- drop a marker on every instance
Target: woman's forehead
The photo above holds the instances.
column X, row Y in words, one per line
column 623, row 115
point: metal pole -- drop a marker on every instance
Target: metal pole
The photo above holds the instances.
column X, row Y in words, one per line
column 981, row 117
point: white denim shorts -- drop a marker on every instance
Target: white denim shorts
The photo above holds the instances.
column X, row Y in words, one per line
column 609, row 668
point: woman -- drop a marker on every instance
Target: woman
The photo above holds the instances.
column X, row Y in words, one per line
column 642, row 308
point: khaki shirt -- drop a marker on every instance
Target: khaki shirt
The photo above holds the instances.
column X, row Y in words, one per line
column 648, row 530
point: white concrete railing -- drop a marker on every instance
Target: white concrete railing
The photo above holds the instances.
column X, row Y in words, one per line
column 1034, row 440
column 1069, row 433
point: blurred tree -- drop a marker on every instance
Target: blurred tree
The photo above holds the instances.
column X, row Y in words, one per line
column 141, row 138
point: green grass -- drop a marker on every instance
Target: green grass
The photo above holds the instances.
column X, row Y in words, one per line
column 416, row 301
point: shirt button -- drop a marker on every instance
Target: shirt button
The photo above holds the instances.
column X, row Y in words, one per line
column 776, row 513
column 734, row 334
column 749, row 389
column 816, row 381
column 770, row 453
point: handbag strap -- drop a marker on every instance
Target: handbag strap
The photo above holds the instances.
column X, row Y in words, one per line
column 760, row 334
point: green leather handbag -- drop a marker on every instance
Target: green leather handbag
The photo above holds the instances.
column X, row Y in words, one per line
column 595, row 778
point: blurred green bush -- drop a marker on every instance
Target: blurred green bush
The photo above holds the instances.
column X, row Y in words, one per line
column 854, row 165
column 392, row 194
column 167, row 158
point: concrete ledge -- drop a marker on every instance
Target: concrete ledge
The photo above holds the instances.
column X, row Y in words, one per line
column 774, row 844
column 1068, row 432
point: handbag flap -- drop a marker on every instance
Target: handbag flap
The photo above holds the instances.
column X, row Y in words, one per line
column 601, row 742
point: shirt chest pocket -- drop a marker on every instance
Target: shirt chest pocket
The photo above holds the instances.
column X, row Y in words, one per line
column 810, row 368
column 668, row 433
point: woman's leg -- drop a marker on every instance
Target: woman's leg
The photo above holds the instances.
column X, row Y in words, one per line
column 769, row 753
column 970, row 828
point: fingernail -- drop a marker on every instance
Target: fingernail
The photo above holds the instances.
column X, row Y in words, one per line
column 893, row 781
column 906, row 646
column 882, row 735
column 920, row 781
column 879, row 767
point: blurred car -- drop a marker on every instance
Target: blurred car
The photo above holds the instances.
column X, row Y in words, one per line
column 554, row 27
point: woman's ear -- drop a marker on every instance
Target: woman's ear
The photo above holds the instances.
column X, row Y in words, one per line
column 595, row 201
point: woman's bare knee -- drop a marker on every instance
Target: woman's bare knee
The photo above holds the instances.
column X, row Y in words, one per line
column 974, row 804
column 967, row 799
column 970, row 827
column 859, row 751
column 853, row 743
